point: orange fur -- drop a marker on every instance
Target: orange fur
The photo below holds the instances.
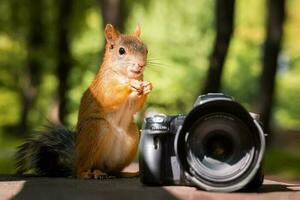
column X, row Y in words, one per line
column 107, row 137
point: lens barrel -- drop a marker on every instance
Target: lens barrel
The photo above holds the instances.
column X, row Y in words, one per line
column 220, row 146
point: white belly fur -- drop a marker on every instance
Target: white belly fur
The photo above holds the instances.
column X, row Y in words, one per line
column 121, row 142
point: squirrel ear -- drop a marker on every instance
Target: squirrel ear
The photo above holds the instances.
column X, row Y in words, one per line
column 111, row 34
column 137, row 31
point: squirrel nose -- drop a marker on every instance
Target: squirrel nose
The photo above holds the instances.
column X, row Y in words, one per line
column 142, row 64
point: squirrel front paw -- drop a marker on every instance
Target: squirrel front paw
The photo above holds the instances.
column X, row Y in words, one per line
column 140, row 88
column 136, row 87
column 147, row 87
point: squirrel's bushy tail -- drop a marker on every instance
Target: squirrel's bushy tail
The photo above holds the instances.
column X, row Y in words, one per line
column 49, row 153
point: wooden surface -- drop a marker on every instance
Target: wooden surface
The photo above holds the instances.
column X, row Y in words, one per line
column 67, row 188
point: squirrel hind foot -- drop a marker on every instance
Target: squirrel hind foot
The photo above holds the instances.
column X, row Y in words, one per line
column 129, row 174
column 95, row 174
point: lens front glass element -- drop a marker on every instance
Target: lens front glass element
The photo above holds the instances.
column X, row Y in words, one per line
column 219, row 147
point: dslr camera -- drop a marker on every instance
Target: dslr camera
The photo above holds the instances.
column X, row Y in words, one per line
column 218, row 146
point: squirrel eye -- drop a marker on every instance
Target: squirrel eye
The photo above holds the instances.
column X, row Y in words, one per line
column 122, row 51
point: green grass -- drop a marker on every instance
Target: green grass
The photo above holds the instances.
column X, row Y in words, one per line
column 7, row 149
column 283, row 162
column 6, row 164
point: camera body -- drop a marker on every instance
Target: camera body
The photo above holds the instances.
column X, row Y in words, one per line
column 158, row 162
column 217, row 146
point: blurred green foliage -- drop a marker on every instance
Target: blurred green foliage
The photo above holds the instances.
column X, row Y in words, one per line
column 283, row 162
column 179, row 36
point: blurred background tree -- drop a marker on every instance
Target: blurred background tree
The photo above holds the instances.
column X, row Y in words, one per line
column 50, row 51
column 224, row 22
column 271, row 50
column 31, row 78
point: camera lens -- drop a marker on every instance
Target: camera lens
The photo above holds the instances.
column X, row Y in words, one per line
column 219, row 148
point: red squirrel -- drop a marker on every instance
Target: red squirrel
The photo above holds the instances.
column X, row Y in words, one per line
column 106, row 137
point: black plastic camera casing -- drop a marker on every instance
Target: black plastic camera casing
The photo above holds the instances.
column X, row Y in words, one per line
column 164, row 153
column 158, row 162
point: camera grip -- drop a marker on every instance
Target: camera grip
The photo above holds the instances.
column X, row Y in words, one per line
column 150, row 159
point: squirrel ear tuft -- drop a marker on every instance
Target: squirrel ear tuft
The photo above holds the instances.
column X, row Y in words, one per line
column 111, row 34
column 137, row 31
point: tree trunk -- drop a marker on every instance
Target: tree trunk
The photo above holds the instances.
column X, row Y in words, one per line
column 64, row 57
column 274, row 32
column 30, row 80
column 224, row 26
column 112, row 12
